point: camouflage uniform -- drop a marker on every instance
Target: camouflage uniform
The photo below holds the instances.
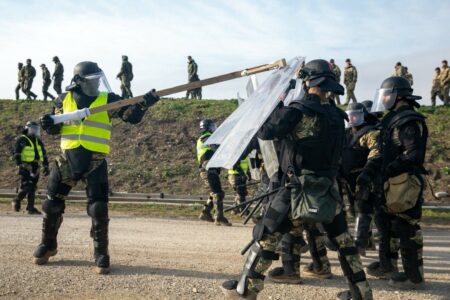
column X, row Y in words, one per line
column 399, row 71
column 58, row 77
column 28, row 73
column 20, row 82
column 46, row 81
column 445, row 84
column 436, row 88
column 126, row 76
column 238, row 180
column 337, row 73
column 350, row 78
column 409, row 77
column 192, row 77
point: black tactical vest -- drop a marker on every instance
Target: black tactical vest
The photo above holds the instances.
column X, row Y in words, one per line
column 354, row 156
column 395, row 119
column 321, row 151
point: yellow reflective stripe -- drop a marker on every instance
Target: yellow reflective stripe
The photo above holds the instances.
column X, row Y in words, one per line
column 84, row 137
column 97, row 125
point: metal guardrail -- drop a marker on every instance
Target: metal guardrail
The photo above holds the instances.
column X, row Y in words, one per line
column 123, row 197
column 156, row 198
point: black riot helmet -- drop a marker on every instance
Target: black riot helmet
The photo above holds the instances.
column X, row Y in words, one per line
column 368, row 104
column 89, row 78
column 357, row 114
column 208, row 125
column 319, row 73
column 391, row 89
column 33, row 129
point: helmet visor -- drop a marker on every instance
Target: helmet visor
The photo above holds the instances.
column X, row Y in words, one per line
column 355, row 118
column 34, row 130
column 384, row 100
column 93, row 84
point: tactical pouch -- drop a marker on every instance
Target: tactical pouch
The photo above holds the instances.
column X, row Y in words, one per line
column 315, row 200
column 402, row 192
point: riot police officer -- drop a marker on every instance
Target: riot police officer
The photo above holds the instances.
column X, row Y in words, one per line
column 29, row 154
column 403, row 139
column 85, row 144
column 210, row 176
column 311, row 131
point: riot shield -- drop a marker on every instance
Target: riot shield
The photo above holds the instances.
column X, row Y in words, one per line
column 240, row 127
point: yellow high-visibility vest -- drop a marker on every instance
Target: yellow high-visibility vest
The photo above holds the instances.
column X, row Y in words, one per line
column 28, row 153
column 201, row 147
column 243, row 165
column 93, row 133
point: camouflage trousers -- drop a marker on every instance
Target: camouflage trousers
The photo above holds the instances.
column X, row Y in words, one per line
column 338, row 233
column 45, row 91
column 17, row 90
column 211, row 181
column 238, row 183
column 350, row 94
column 446, row 94
column 57, row 85
column 26, row 88
column 125, row 87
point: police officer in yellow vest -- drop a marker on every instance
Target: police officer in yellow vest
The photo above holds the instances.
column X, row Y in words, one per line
column 237, row 177
column 210, row 176
column 29, row 153
column 84, row 144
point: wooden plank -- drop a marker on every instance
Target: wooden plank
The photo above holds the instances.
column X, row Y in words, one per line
column 192, row 85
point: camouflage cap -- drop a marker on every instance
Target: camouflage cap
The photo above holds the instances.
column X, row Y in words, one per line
column 55, row 58
column 42, row 65
column 332, row 61
column 348, row 60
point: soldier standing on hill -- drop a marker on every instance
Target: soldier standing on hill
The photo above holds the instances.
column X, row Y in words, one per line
column 399, row 70
column 126, row 76
column 58, row 75
column 20, row 80
column 192, row 77
column 337, row 73
column 445, row 82
column 350, row 78
column 46, row 81
column 28, row 73
column 436, row 87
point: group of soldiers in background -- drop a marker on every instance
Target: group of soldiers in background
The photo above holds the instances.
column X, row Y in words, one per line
column 27, row 73
column 441, row 84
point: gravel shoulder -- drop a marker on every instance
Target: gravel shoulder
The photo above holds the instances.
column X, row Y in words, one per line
column 156, row 258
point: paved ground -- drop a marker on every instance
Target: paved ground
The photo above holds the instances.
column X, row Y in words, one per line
column 169, row 259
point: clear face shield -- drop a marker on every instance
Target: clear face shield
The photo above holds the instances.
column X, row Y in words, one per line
column 213, row 127
column 384, row 100
column 355, row 118
column 33, row 130
column 93, row 84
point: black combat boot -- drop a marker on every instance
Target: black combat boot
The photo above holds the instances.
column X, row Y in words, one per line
column 16, row 205
column 99, row 232
column 205, row 215
column 220, row 218
column 48, row 246
column 31, row 210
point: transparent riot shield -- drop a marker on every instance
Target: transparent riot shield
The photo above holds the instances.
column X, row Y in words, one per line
column 240, row 127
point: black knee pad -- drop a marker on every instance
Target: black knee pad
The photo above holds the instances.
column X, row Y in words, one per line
column 97, row 192
column 55, row 186
column 337, row 226
column 98, row 209
column 402, row 228
column 53, row 206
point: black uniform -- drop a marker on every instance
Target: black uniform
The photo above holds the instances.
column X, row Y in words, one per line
column 90, row 167
column 28, row 171
column 403, row 144
column 311, row 134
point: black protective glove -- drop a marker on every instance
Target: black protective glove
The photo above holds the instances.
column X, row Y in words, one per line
column 46, row 121
column 364, row 179
column 150, row 98
column 22, row 171
column 46, row 171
